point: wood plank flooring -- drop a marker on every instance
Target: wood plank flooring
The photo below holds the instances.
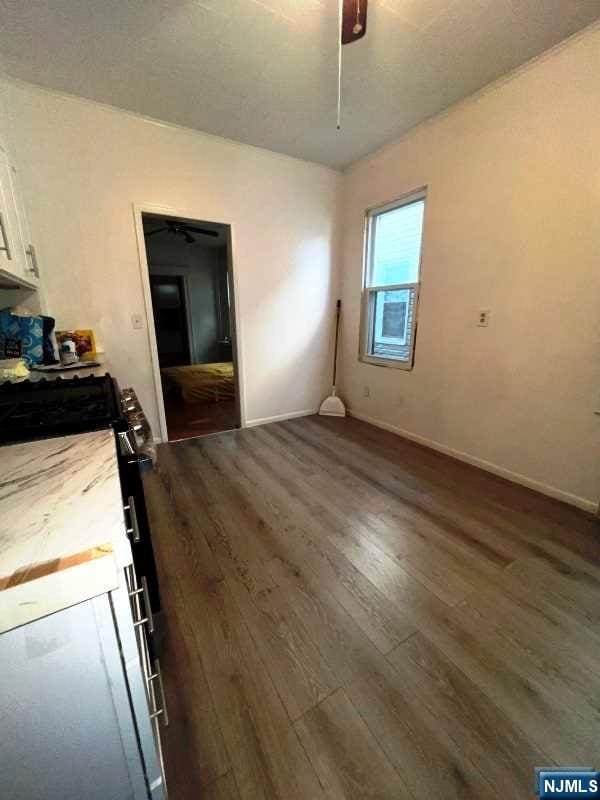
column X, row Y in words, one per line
column 350, row 615
column 185, row 420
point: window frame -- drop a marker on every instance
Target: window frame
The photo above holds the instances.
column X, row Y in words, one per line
column 369, row 293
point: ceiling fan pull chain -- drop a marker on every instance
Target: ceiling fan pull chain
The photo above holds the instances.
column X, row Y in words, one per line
column 339, row 95
column 357, row 26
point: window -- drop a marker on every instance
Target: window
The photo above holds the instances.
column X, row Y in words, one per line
column 391, row 290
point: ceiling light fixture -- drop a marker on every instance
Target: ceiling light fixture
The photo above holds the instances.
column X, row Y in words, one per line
column 352, row 26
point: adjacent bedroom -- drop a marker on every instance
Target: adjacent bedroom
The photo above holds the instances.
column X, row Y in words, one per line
column 190, row 287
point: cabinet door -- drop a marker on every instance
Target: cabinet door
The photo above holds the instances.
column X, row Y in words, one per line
column 13, row 260
column 32, row 272
column 66, row 730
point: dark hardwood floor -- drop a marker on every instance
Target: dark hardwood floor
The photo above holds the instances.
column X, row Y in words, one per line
column 351, row 615
column 186, row 420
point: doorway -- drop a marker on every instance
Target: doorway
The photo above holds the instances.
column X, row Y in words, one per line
column 191, row 291
column 170, row 320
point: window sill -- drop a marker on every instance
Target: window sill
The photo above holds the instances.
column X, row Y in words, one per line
column 386, row 362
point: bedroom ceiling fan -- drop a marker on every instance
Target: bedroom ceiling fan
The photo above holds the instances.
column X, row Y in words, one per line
column 177, row 227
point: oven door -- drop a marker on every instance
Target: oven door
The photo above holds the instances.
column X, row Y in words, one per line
column 131, row 464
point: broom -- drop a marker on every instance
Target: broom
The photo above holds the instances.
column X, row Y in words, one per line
column 332, row 406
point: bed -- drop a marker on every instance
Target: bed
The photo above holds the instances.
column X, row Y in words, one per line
column 201, row 383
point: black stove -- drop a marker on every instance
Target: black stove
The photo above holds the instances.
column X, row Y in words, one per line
column 57, row 407
column 40, row 409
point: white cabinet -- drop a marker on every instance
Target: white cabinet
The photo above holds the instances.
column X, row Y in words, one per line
column 18, row 261
column 32, row 271
column 79, row 716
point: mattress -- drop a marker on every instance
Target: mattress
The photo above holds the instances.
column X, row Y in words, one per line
column 198, row 383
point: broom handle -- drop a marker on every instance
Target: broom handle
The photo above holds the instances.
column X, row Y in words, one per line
column 337, row 328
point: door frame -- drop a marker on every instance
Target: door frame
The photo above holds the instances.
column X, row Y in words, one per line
column 189, row 215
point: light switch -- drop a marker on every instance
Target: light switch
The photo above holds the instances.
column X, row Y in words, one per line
column 137, row 322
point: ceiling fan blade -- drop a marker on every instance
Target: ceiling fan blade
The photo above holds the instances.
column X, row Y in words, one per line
column 354, row 20
column 203, row 231
column 158, row 230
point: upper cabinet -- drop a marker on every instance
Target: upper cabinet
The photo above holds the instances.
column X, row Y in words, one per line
column 18, row 258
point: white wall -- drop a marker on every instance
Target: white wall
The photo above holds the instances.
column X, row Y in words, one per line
column 512, row 224
column 4, row 125
column 84, row 165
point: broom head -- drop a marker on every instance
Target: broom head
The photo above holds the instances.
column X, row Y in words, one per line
column 332, row 406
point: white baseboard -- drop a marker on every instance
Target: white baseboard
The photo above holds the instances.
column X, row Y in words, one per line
column 252, row 423
column 515, row 477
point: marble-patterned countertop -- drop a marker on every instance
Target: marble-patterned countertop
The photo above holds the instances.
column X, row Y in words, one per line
column 62, row 527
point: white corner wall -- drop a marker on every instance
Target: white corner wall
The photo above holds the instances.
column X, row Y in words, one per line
column 512, row 224
column 83, row 166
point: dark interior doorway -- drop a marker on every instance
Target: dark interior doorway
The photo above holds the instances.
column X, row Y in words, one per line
column 191, row 283
column 171, row 323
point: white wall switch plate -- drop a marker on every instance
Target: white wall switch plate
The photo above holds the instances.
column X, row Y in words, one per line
column 366, row 391
column 137, row 322
column 483, row 317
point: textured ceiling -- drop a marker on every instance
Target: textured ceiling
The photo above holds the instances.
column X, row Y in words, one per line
column 264, row 71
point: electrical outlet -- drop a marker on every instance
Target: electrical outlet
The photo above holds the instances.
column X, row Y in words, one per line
column 366, row 391
column 483, row 318
column 137, row 322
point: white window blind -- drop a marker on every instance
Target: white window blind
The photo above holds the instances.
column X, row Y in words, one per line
column 397, row 245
